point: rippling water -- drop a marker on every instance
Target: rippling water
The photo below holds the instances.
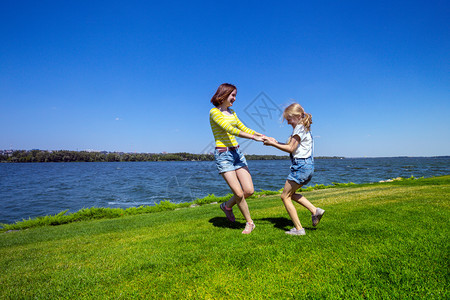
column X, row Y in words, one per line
column 37, row 189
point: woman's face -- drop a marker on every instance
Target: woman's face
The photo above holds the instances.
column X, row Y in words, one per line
column 229, row 101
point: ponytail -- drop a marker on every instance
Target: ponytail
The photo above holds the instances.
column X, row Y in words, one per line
column 307, row 121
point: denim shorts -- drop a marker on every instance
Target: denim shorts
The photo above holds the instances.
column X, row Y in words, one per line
column 302, row 170
column 229, row 160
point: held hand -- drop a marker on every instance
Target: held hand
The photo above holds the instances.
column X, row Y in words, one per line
column 258, row 138
column 268, row 141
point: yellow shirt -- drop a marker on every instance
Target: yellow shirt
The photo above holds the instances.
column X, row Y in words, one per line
column 226, row 127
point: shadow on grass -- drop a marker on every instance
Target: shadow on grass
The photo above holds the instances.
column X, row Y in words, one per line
column 284, row 224
column 224, row 223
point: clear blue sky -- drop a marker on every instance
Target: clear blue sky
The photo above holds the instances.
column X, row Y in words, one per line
column 137, row 76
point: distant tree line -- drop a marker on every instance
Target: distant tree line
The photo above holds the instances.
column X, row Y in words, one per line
column 87, row 156
column 24, row 156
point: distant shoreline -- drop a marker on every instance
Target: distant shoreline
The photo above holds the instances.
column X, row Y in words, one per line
column 41, row 156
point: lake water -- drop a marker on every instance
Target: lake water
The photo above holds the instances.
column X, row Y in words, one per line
column 38, row 189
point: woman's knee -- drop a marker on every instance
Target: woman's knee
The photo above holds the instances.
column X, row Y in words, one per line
column 248, row 193
column 239, row 195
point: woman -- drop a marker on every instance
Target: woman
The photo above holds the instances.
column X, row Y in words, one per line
column 230, row 161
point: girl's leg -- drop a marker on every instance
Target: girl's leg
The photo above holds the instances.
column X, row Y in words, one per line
column 289, row 189
column 245, row 179
column 316, row 213
column 300, row 199
column 233, row 182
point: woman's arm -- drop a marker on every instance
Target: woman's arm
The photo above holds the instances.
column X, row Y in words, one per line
column 253, row 134
column 256, row 136
column 289, row 148
column 217, row 117
column 242, row 131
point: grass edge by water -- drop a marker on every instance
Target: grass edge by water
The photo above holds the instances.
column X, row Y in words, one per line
column 96, row 213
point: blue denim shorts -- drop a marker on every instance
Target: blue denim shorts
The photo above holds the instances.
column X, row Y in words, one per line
column 302, row 170
column 229, row 160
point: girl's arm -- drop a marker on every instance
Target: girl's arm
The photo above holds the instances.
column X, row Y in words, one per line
column 289, row 148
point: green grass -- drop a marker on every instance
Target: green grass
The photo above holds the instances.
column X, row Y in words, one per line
column 376, row 241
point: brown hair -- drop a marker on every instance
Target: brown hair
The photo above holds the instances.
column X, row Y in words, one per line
column 222, row 93
column 297, row 110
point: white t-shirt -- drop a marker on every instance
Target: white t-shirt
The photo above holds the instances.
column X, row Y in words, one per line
column 304, row 149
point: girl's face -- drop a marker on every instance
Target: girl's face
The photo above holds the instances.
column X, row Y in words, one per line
column 229, row 101
column 293, row 120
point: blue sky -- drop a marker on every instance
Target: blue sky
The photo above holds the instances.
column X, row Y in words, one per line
column 137, row 76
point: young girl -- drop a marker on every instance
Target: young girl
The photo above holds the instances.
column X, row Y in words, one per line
column 299, row 147
column 230, row 161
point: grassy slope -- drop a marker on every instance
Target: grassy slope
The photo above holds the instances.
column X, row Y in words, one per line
column 386, row 240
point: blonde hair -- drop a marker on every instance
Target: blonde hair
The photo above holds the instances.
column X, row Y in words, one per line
column 296, row 110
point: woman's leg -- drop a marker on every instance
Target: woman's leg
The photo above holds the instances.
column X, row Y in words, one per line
column 233, row 180
column 246, row 182
column 289, row 189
